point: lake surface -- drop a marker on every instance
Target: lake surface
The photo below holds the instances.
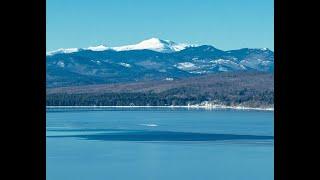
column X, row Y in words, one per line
column 159, row 144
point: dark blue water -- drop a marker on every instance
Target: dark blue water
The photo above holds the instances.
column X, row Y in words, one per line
column 158, row 144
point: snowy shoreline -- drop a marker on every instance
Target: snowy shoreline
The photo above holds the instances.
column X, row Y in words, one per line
column 208, row 107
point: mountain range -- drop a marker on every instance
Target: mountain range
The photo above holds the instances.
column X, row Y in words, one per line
column 152, row 59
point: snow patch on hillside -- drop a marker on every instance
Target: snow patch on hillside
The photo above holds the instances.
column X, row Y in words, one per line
column 125, row 64
column 61, row 64
column 186, row 66
column 227, row 63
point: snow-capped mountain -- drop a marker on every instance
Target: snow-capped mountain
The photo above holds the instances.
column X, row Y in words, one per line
column 62, row 50
column 152, row 59
column 154, row 44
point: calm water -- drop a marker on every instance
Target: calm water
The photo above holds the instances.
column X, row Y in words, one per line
column 159, row 144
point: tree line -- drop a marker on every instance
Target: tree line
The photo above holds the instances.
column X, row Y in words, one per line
column 176, row 97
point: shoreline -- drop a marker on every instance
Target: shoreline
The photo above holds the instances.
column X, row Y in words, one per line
column 208, row 107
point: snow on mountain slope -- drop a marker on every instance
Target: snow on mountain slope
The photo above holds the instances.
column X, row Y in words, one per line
column 227, row 63
column 154, row 44
column 98, row 48
column 186, row 66
column 61, row 50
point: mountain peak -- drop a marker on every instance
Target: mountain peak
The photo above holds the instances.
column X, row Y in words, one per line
column 153, row 39
column 154, row 44
column 100, row 47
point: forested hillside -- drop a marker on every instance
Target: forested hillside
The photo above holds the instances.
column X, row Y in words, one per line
column 253, row 89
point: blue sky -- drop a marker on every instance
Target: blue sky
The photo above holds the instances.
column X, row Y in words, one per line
column 225, row 24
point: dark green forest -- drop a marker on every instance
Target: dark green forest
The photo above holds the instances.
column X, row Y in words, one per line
column 254, row 99
column 253, row 90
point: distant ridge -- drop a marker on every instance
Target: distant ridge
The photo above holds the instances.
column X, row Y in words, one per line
column 152, row 59
column 154, row 44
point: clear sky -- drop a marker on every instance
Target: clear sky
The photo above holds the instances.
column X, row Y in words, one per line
column 225, row 24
